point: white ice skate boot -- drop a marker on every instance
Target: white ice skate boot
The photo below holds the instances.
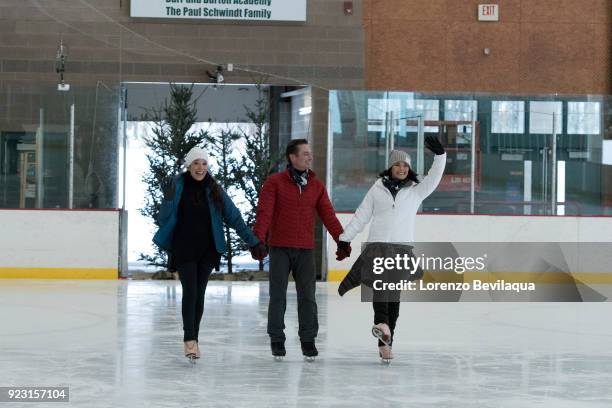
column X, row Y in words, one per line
column 385, row 353
column 191, row 350
column 381, row 332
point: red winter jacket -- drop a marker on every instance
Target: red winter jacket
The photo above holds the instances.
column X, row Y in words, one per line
column 287, row 215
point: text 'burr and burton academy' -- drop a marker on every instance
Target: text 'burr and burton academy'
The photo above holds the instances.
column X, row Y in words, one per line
column 191, row 11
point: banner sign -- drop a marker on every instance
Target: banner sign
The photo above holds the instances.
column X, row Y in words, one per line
column 248, row 10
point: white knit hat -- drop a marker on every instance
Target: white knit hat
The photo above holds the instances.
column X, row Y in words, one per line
column 399, row 156
column 194, row 154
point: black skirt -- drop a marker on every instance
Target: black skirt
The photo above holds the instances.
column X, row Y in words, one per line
column 368, row 267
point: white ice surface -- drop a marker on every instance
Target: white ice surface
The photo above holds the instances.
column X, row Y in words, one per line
column 119, row 344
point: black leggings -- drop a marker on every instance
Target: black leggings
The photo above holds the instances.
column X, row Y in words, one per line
column 386, row 312
column 194, row 278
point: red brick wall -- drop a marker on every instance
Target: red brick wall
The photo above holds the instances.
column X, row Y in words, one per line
column 537, row 46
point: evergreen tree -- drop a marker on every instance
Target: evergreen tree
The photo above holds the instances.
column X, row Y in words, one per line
column 257, row 162
column 220, row 145
column 168, row 143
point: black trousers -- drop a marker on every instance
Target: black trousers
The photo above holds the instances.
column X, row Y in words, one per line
column 386, row 312
column 301, row 263
column 194, row 278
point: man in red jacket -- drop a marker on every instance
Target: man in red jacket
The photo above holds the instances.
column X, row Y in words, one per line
column 286, row 215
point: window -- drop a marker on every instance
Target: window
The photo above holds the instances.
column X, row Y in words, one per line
column 508, row 117
column 606, row 154
column 583, row 118
column 377, row 109
column 428, row 108
column 541, row 117
column 459, row 110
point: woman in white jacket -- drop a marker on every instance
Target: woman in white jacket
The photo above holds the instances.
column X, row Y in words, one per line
column 391, row 206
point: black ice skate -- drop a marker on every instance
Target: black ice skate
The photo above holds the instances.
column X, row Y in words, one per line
column 309, row 350
column 278, row 350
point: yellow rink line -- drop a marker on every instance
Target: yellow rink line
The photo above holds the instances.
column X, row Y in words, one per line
column 336, row 275
column 59, row 273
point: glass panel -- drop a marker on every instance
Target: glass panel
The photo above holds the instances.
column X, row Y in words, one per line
column 52, row 143
column 606, row 157
column 508, row 117
column 96, row 147
column 459, row 109
column 454, row 190
column 35, row 147
column 19, row 170
column 301, row 114
column 583, row 118
column 377, row 111
column 429, row 109
column 14, row 147
column 541, row 117
column 518, row 168
column 359, row 148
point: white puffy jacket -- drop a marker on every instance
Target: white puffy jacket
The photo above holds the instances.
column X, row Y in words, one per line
column 393, row 220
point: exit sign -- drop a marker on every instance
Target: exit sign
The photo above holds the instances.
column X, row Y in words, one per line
column 488, row 12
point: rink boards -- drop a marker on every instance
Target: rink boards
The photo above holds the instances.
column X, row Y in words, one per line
column 59, row 244
column 593, row 232
column 83, row 244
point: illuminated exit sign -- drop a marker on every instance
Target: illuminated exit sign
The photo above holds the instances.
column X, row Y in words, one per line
column 488, row 12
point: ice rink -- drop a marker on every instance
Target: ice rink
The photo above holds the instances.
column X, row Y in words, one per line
column 119, row 344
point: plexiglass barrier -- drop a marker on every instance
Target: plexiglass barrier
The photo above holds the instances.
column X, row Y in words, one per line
column 519, row 155
column 59, row 149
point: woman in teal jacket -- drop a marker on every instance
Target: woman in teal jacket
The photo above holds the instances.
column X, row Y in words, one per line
column 191, row 230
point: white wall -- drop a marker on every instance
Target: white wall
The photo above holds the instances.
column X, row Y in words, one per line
column 59, row 239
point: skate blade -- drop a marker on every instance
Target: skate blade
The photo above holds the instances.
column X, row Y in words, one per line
column 310, row 359
column 192, row 358
column 385, row 361
column 279, row 358
column 376, row 332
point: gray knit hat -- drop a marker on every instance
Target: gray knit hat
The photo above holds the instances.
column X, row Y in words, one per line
column 399, row 156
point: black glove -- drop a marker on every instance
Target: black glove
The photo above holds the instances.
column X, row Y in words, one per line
column 344, row 250
column 171, row 262
column 433, row 144
column 259, row 252
column 168, row 188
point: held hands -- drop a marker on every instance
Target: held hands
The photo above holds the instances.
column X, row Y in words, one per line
column 344, row 250
column 433, row 144
column 259, row 252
